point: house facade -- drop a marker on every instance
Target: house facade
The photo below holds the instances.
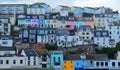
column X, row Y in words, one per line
column 44, row 61
column 6, row 41
column 56, row 59
column 11, row 9
column 5, row 26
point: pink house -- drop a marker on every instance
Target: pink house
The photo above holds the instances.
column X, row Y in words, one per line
column 71, row 24
column 34, row 22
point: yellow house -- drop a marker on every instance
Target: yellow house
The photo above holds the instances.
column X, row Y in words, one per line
column 99, row 21
column 85, row 32
column 61, row 24
column 68, row 65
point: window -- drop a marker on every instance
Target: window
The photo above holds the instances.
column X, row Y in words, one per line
column 28, row 63
column 118, row 27
column 98, row 20
column 110, row 37
column 34, row 58
column 83, row 33
column 34, row 62
column 119, row 64
column 4, row 42
column 101, row 63
column 117, row 32
column 1, row 61
column 58, row 59
column 97, row 39
column 21, row 61
column 106, row 63
column 97, row 63
column 91, row 62
column 87, row 33
column 14, row 61
column 7, row 61
column 77, row 64
column 110, row 27
column 113, row 63
column 54, row 59
column 28, row 57
column 44, row 65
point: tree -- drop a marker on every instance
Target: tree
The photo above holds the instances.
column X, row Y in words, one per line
column 50, row 47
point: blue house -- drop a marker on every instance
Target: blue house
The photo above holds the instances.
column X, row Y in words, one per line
column 80, row 64
column 56, row 59
column 28, row 35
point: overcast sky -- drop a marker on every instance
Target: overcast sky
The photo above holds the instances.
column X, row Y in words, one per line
column 114, row 4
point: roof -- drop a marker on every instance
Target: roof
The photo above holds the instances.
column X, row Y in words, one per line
column 7, row 49
column 101, row 33
column 72, row 57
column 91, row 7
column 12, row 4
column 30, row 53
column 42, row 3
column 101, row 57
column 85, row 27
column 6, row 36
column 87, row 15
column 77, row 7
column 99, row 15
column 64, row 6
column 37, row 46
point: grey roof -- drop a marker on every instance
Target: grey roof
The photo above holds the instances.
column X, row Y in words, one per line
column 101, row 56
column 7, row 49
column 30, row 53
column 72, row 57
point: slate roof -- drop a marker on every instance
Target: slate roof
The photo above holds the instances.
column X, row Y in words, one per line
column 101, row 56
column 87, row 15
column 88, row 57
column 85, row 27
column 100, row 33
column 37, row 46
column 7, row 49
column 72, row 57
column 6, row 36
column 30, row 53
column 100, row 15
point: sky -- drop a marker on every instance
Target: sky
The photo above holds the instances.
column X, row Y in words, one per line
column 114, row 4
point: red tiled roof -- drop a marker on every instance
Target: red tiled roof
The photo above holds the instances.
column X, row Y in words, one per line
column 37, row 46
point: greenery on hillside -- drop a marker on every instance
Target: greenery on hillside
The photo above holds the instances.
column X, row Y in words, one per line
column 51, row 47
column 109, row 51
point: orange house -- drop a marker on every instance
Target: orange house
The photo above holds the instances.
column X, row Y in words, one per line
column 68, row 65
column 91, row 23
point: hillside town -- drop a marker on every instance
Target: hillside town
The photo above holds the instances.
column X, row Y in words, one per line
column 62, row 38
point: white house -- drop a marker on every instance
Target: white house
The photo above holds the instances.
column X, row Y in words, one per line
column 35, row 9
column 68, row 41
column 77, row 11
column 114, row 32
column 63, row 10
column 44, row 61
column 100, row 10
column 101, row 38
column 114, row 64
column 6, row 50
column 6, row 41
column 12, row 61
column 12, row 9
column 31, row 58
column 5, row 26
